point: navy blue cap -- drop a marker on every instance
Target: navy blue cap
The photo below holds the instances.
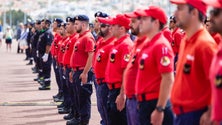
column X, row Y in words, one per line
column 38, row 22
column 172, row 18
column 62, row 24
column 81, row 18
column 58, row 20
column 70, row 19
column 46, row 21
column 100, row 14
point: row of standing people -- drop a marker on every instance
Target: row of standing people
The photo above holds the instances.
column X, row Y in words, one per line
column 134, row 80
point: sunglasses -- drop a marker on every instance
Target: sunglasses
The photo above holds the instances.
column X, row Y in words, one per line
column 215, row 11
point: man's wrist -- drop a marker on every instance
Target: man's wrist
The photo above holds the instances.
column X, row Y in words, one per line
column 160, row 108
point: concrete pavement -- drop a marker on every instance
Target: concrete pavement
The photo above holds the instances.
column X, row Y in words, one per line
column 21, row 103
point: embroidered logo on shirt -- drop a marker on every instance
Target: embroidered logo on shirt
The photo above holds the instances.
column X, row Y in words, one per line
column 98, row 58
column 173, row 43
column 218, row 81
column 112, row 57
column 142, row 64
column 142, row 61
column 127, row 57
column 67, row 47
column 133, row 59
column 165, row 61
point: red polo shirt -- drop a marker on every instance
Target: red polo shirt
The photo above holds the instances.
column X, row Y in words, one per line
column 69, row 49
column 216, row 85
column 102, row 57
column 96, row 48
column 156, row 58
column 167, row 34
column 118, row 59
column 191, row 89
column 177, row 37
column 62, row 45
column 217, row 37
column 132, row 67
column 83, row 45
column 54, row 46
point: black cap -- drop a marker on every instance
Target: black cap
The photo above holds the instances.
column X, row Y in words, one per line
column 81, row 18
column 70, row 19
column 46, row 21
column 62, row 24
column 38, row 22
column 172, row 18
column 58, row 20
column 100, row 14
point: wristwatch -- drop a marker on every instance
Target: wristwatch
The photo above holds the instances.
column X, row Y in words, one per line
column 160, row 109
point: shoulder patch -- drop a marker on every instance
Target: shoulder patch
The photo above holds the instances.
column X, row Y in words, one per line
column 165, row 61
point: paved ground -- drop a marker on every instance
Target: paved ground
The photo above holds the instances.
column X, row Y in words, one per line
column 21, row 103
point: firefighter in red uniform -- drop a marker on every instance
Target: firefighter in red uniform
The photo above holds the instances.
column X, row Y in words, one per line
column 57, row 37
column 130, row 73
column 215, row 35
column 191, row 93
column 216, row 67
column 118, row 59
column 101, row 56
column 155, row 70
column 66, row 67
column 64, row 107
column 81, row 75
column 177, row 36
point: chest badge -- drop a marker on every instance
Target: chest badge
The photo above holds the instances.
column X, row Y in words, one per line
column 141, row 64
column 218, row 81
column 127, row 57
column 112, row 58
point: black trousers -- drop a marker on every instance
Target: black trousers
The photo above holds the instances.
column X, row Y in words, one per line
column 145, row 109
column 81, row 96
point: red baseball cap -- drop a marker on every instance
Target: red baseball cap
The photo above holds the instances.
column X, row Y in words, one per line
column 214, row 3
column 132, row 14
column 120, row 19
column 198, row 4
column 107, row 20
column 155, row 12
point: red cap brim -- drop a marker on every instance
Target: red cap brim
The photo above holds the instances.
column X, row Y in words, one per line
column 213, row 3
column 105, row 20
column 141, row 13
column 178, row 1
column 131, row 15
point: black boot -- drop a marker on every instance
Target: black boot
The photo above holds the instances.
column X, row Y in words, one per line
column 74, row 121
column 45, row 85
column 30, row 63
column 64, row 110
column 69, row 116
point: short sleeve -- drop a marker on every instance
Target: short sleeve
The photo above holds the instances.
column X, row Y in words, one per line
column 164, row 58
column 90, row 44
column 49, row 39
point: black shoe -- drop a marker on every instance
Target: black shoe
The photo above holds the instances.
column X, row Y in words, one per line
column 73, row 121
column 44, row 88
column 63, row 110
column 61, row 99
column 36, row 79
column 84, row 122
column 58, row 95
column 30, row 63
column 26, row 59
column 69, row 116
column 61, row 105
